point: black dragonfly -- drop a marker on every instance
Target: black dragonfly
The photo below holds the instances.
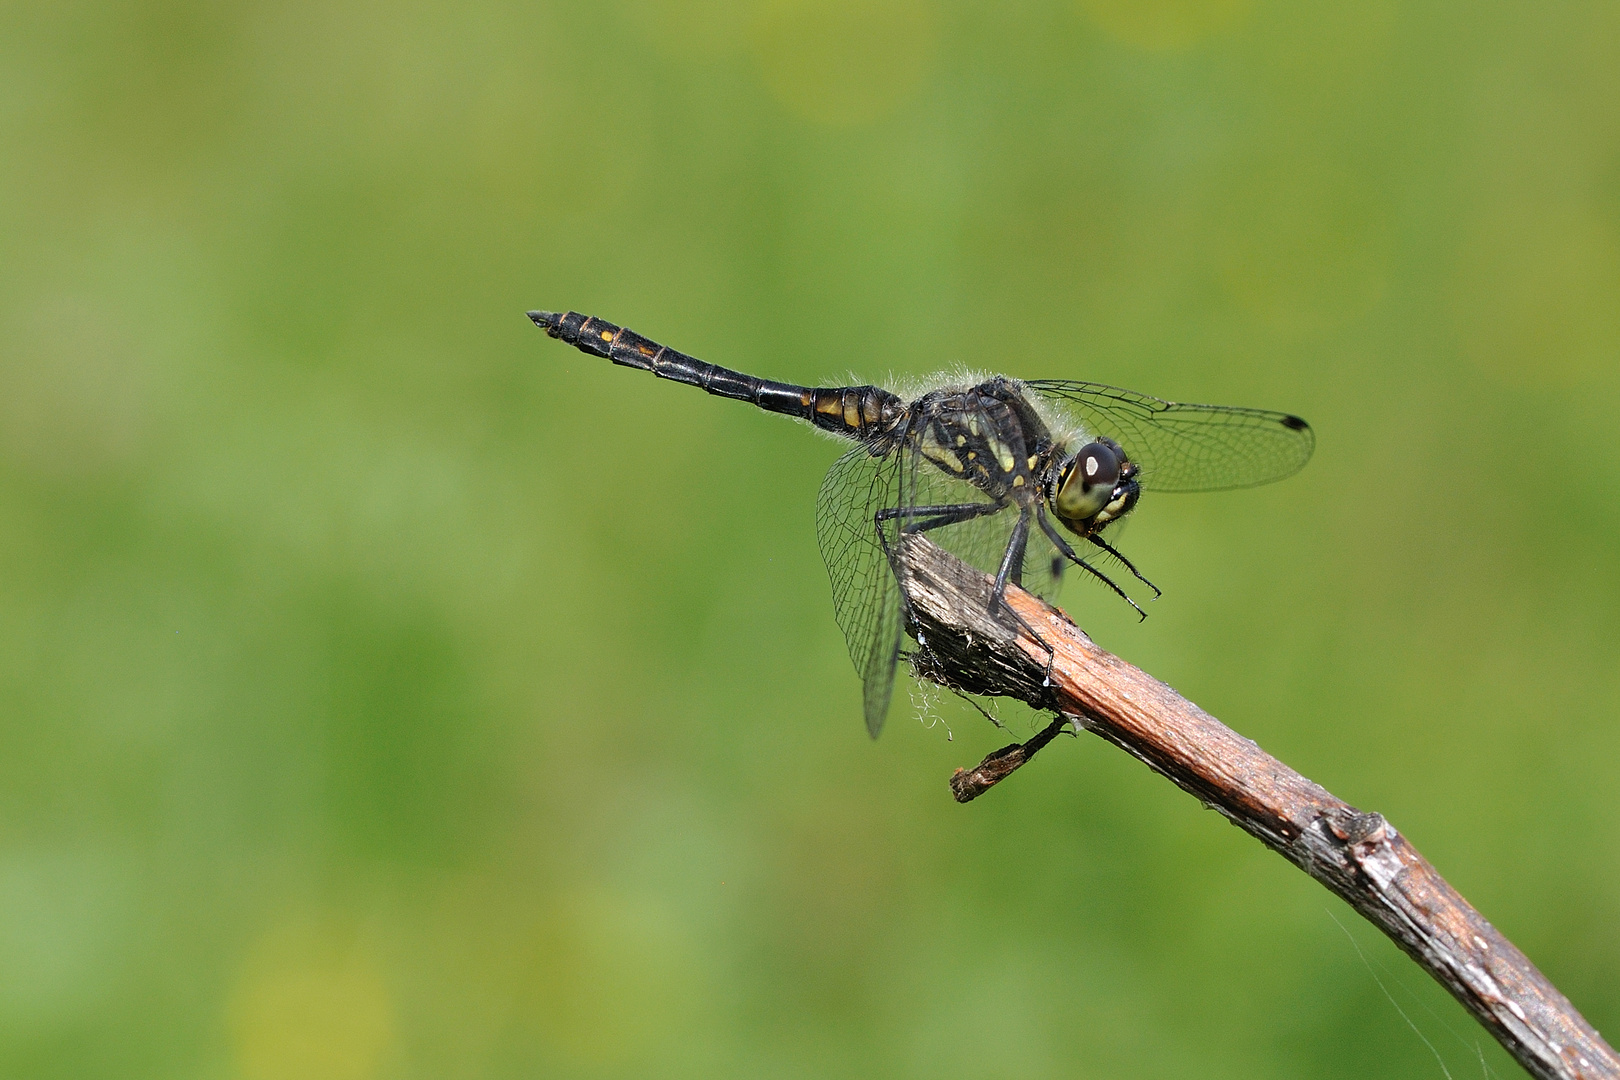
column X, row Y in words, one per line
column 1009, row 475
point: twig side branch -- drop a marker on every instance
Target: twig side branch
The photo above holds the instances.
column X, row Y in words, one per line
column 1359, row 856
column 969, row 784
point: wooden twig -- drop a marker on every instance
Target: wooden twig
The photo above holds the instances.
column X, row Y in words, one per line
column 1359, row 856
column 969, row 784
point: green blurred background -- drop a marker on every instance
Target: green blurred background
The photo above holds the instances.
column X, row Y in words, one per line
column 387, row 690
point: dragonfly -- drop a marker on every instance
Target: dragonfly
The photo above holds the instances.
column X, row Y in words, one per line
column 1017, row 477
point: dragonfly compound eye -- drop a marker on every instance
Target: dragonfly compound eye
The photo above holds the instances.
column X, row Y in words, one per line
column 1088, row 481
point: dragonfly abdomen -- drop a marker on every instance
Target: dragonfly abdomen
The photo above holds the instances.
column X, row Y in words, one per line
column 860, row 412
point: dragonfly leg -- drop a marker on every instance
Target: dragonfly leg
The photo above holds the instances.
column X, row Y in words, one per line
column 1063, row 545
column 1012, row 562
column 920, row 519
column 1012, row 569
column 1106, row 546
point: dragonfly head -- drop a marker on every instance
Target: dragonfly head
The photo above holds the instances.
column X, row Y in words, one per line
column 1094, row 487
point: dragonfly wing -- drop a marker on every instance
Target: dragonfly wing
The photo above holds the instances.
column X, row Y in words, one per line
column 866, row 597
column 1184, row 447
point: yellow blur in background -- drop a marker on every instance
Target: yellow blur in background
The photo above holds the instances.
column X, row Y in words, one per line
column 387, row 690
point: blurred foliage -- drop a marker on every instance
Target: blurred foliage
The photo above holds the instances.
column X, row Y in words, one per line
column 388, row 691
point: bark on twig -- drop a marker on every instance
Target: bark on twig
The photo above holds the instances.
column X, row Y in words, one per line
column 1359, row 856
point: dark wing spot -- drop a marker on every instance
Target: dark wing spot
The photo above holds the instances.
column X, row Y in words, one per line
column 1294, row 423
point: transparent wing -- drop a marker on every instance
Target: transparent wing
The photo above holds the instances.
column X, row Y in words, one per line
column 866, row 597
column 1188, row 447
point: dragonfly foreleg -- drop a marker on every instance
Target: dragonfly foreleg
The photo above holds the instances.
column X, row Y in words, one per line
column 1106, row 546
column 1063, row 545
